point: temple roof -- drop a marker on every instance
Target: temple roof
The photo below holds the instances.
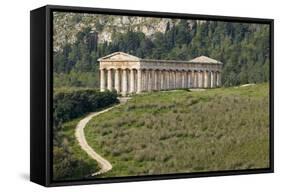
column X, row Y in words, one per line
column 204, row 59
column 121, row 56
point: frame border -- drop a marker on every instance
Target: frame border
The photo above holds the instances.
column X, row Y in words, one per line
column 49, row 92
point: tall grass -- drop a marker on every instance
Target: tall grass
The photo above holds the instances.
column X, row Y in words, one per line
column 180, row 131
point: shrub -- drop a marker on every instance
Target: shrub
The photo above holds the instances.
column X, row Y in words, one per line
column 72, row 103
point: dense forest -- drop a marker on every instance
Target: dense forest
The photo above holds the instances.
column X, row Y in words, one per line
column 242, row 47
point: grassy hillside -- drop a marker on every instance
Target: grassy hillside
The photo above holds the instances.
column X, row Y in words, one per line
column 181, row 131
column 70, row 161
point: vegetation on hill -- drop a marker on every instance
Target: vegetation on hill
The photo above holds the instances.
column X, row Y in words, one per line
column 180, row 131
column 242, row 47
column 69, row 161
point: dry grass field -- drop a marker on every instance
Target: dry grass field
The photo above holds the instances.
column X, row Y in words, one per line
column 181, row 131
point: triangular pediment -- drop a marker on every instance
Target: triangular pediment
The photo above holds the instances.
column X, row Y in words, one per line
column 204, row 59
column 119, row 56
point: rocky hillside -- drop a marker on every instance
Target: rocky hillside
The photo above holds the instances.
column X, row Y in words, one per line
column 67, row 25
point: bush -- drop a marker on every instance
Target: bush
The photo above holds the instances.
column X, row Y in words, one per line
column 72, row 103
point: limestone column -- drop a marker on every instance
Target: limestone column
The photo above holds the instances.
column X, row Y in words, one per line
column 102, row 80
column 155, row 80
column 212, row 79
column 175, row 80
column 192, row 79
column 124, row 82
column 188, row 79
column 218, row 79
column 161, row 74
column 198, row 79
column 132, row 82
column 146, row 79
column 169, row 80
column 109, row 80
column 182, row 79
column 178, row 79
column 215, row 79
column 142, row 72
column 117, row 81
column 172, row 80
column 195, row 80
column 205, row 79
column 165, row 80
column 139, row 81
column 135, row 81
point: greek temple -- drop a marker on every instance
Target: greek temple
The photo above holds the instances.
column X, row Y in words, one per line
column 128, row 74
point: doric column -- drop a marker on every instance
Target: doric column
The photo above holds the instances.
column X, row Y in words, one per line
column 132, row 81
column 102, row 80
column 165, row 80
column 218, row 79
column 205, row 79
column 155, row 80
column 147, row 80
column 199, row 80
column 188, row 79
column 179, row 79
column 202, row 79
column 215, row 79
column 135, row 81
column 192, row 79
column 195, row 79
column 183, row 79
column 212, row 79
column 117, row 81
column 169, row 80
column 172, row 80
column 124, row 82
column 161, row 73
column 109, row 80
column 139, row 81
column 175, row 79
column 166, row 74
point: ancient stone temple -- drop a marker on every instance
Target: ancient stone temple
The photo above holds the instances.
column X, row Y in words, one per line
column 129, row 74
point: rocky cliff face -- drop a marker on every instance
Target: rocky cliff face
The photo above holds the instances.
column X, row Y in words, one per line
column 67, row 25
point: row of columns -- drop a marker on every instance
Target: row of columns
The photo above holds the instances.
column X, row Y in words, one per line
column 137, row 80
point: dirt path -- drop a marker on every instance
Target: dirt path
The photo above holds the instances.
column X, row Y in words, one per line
column 104, row 164
column 80, row 136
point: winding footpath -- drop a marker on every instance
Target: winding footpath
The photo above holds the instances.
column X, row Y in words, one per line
column 104, row 164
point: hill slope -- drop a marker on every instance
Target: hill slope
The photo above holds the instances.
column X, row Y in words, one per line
column 180, row 131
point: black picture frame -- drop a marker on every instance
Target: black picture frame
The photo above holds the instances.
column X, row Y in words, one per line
column 41, row 32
